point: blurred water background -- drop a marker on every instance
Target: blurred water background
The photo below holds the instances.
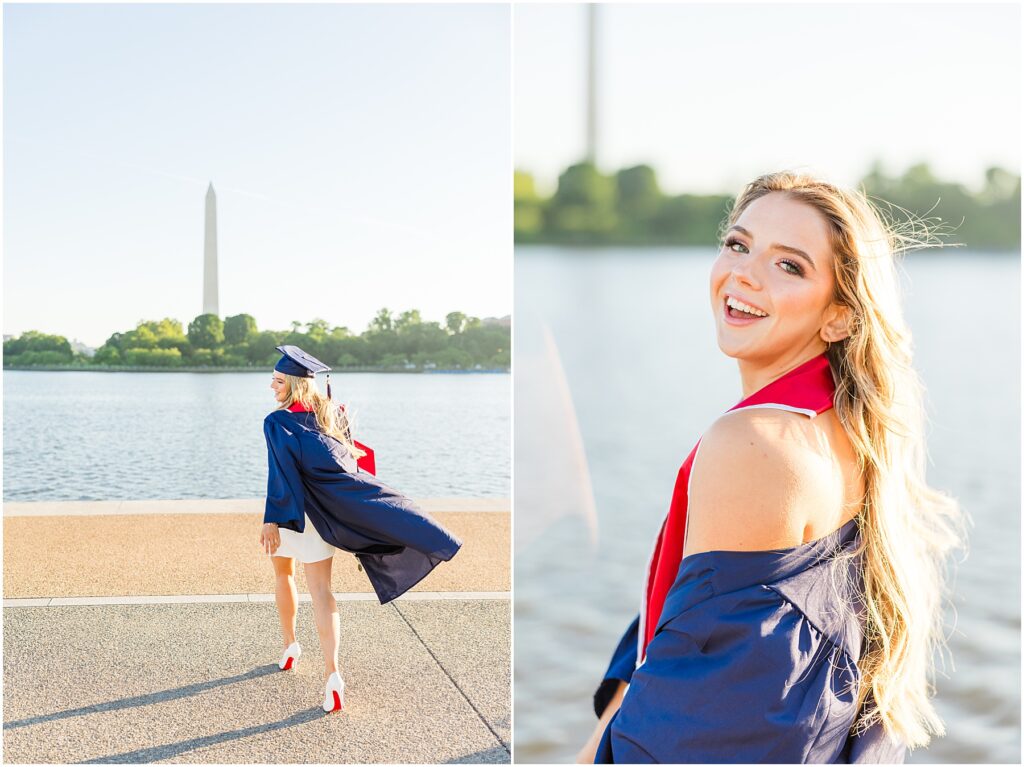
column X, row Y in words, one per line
column 100, row 436
column 636, row 339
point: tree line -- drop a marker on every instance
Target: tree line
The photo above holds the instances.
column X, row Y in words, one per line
column 628, row 207
column 392, row 341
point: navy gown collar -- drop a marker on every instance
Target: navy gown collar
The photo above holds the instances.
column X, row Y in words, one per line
column 713, row 573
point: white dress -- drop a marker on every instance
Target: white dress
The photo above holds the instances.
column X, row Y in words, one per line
column 306, row 546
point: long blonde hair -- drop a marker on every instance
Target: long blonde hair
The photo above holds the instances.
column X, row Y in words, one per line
column 907, row 528
column 330, row 418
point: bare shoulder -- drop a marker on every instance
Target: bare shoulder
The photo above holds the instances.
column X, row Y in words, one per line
column 759, row 478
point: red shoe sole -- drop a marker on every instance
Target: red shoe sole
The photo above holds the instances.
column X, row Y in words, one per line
column 337, row 702
column 288, row 663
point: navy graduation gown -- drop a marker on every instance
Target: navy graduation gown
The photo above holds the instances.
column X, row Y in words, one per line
column 750, row 662
column 397, row 543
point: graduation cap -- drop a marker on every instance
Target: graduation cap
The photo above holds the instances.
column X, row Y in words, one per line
column 295, row 362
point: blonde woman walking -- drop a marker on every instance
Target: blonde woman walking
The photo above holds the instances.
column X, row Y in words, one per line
column 318, row 501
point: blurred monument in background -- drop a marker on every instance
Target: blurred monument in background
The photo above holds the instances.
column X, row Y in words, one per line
column 591, row 156
column 210, row 255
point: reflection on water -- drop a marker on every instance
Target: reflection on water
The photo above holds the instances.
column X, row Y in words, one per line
column 636, row 341
column 99, row 436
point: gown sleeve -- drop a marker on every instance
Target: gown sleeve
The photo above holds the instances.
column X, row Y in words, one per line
column 753, row 682
column 285, row 495
column 620, row 668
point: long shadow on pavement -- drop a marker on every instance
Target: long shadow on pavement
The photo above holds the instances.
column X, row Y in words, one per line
column 496, row 755
column 144, row 700
column 147, row 755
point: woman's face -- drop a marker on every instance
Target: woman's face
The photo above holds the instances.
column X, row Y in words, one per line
column 776, row 260
column 280, row 386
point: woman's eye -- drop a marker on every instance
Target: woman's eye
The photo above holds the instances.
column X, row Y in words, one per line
column 729, row 243
column 792, row 267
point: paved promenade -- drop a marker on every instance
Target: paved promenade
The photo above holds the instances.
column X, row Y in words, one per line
column 146, row 632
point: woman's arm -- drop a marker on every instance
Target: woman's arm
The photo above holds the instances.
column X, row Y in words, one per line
column 609, row 693
column 285, row 494
column 589, row 750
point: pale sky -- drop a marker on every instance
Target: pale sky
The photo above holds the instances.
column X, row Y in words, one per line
column 712, row 95
column 361, row 156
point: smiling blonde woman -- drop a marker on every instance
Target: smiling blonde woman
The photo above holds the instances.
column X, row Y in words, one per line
column 793, row 600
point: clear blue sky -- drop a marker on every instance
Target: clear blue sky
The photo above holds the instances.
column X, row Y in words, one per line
column 361, row 156
column 712, row 95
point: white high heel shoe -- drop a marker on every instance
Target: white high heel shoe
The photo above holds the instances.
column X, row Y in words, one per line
column 291, row 654
column 334, row 695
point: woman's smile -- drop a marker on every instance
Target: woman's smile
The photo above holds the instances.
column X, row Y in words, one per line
column 739, row 312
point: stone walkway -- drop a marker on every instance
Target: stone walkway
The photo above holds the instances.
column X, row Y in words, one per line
column 149, row 637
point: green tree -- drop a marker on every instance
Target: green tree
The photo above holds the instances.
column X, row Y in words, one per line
column 454, row 359
column 1000, row 185
column 108, row 354
column 153, row 357
column 583, row 184
column 239, row 328
column 408, row 320
column 34, row 341
column 206, row 332
column 528, row 207
column 501, row 359
column 316, row 339
column 140, row 338
column 39, row 358
column 261, row 351
column 318, row 329
column 300, row 339
column 352, row 351
column 688, row 219
column 455, row 322
column 482, row 342
column 380, row 344
column 35, row 348
column 629, row 208
column 116, row 341
column 208, row 357
column 165, row 330
column 637, row 194
column 332, row 346
column 175, row 342
column 392, row 361
column 382, row 320
column 390, row 341
column 422, row 337
column 583, row 207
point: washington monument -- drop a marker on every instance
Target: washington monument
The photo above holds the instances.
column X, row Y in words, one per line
column 210, row 255
column 592, row 83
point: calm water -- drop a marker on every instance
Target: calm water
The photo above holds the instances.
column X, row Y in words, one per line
column 636, row 341
column 98, row 436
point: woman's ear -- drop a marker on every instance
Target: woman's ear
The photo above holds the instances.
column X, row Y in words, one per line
column 837, row 323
